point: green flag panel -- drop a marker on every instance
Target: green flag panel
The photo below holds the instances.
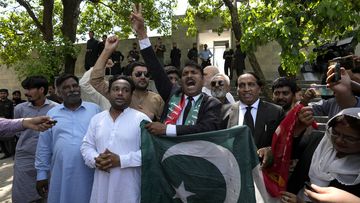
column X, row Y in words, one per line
column 206, row 167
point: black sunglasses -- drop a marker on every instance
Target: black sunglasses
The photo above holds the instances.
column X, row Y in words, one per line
column 219, row 82
column 138, row 74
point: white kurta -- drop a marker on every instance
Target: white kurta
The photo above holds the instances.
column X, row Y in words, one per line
column 123, row 137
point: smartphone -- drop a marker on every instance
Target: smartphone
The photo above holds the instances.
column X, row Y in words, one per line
column 322, row 90
column 340, row 62
column 337, row 74
column 52, row 122
column 308, row 186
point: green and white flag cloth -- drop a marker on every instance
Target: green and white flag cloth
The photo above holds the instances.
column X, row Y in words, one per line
column 218, row 166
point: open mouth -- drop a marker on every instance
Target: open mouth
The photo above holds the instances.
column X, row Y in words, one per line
column 247, row 95
column 190, row 83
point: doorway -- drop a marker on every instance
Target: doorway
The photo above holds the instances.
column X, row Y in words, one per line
column 218, row 50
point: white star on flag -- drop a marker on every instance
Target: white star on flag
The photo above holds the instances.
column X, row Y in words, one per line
column 181, row 193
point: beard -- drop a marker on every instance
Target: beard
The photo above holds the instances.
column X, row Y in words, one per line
column 142, row 87
column 73, row 98
column 286, row 107
column 218, row 93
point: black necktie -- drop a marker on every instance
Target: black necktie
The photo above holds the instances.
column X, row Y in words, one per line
column 248, row 119
column 187, row 109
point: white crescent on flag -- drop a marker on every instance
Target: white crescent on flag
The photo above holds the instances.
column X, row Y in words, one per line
column 221, row 157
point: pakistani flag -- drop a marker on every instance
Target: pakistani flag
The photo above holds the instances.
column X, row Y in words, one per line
column 219, row 166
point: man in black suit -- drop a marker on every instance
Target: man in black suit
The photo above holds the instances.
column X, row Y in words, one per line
column 187, row 109
column 262, row 117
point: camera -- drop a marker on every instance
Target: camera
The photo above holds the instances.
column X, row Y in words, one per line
column 330, row 51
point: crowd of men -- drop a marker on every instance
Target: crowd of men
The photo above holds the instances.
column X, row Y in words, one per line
column 234, row 61
column 91, row 149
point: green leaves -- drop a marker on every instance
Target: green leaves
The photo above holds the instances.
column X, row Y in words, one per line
column 295, row 25
column 23, row 44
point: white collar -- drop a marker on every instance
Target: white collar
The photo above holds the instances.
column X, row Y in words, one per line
column 195, row 98
column 255, row 105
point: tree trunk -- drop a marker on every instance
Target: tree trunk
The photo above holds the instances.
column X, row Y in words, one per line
column 48, row 32
column 236, row 27
column 70, row 64
column 70, row 21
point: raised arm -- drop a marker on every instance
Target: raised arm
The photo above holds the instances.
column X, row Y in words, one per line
column 97, row 77
column 342, row 89
column 162, row 82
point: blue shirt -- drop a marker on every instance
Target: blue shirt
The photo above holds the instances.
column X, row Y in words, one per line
column 205, row 54
column 58, row 154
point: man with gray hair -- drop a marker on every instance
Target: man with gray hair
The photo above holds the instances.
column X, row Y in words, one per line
column 220, row 87
column 209, row 73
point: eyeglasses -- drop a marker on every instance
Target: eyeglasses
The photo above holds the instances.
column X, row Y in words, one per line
column 219, row 82
column 345, row 138
column 138, row 74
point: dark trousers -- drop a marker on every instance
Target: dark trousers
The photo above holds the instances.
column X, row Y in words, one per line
column 205, row 63
column 227, row 66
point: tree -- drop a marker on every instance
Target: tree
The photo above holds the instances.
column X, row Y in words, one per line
column 295, row 25
column 38, row 36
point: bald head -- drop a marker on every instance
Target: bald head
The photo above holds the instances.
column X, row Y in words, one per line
column 209, row 73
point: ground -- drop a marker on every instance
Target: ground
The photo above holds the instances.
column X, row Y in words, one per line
column 6, row 177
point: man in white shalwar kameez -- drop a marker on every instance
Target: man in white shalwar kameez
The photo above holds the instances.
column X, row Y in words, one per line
column 112, row 145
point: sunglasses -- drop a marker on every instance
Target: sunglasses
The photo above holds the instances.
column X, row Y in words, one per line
column 220, row 83
column 138, row 74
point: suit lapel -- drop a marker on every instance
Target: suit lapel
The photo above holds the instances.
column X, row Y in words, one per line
column 260, row 119
column 234, row 115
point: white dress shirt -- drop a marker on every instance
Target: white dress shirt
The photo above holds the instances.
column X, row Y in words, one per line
column 242, row 110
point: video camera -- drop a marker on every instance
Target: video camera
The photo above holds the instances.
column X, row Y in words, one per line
column 333, row 50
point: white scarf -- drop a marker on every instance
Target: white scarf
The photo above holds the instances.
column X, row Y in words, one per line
column 325, row 166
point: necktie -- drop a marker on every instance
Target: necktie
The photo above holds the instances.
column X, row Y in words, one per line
column 187, row 109
column 248, row 119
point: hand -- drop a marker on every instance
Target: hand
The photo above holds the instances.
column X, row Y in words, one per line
column 287, row 197
column 330, row 195
column 107, row 160
column 308, row 96
column 156, row 128
column 42, row 187
column 40, row 123
column 267, row 157
column 137, row 21
column 343, row 85
column 306, row 116
column 111, row 44
column 309, row 93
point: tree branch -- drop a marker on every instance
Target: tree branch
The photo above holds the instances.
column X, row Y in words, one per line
column 28, row 8
column 109, row 7
column 229, row 4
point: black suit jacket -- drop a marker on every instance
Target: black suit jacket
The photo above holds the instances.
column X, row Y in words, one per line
column 268, row 118
column 209, row 113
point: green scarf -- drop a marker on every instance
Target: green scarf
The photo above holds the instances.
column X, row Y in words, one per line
column 193, row 113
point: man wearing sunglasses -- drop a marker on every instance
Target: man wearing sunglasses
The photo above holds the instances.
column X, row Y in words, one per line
column 220, row 88
column 209, row 73
column 142, row 100
column 187, row 110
